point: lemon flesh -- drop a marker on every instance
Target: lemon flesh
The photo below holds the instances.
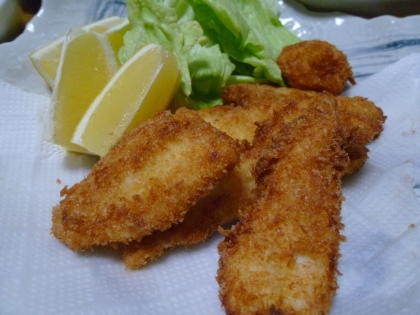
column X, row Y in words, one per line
column 46, row 59
column 87, row 64
column 145, row 84
column 115, row 35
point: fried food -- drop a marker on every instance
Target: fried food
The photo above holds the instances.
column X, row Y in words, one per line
column 315, row 65
column 221, row 206
column 362, row 122
column 361, row 119
column 233, row 194
column 237, row 122
column 145, row 182
column 281, row 258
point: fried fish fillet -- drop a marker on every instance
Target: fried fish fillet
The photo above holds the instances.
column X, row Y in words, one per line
column 362, row 122
column 145, row 182
column 237, row 121
column 315, row 65
column 361, row 119
column 221, row 206
column 281, row 258
column 233, row 194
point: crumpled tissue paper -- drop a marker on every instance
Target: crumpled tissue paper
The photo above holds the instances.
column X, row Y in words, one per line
column 380, row 261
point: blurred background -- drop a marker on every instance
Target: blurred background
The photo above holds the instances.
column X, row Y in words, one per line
column 365, row 8
column 14, row 14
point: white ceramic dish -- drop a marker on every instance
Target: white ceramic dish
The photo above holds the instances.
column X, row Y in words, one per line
column 370, row 44
column 39, row 275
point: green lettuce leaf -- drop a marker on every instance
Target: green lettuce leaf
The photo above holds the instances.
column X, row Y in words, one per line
column 216, row 43
column 154, row 22
column 249, row 31
column 170, row 24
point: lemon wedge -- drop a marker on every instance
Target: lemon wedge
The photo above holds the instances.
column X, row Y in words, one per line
column 87, row 64
column 46, row 59
column 115, row 35
column 145, row 84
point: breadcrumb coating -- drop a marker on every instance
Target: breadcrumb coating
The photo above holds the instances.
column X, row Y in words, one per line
column 315, row 65
column 361, row 119
column 281, row 258
column 145, row 182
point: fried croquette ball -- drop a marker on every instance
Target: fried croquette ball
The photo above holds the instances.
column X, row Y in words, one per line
column 315, row 65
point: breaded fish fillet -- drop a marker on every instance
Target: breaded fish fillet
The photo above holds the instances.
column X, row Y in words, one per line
column 234, row 192
column 363, row 122
column 361, row 119
column 315, row 65
column 281, row 258
column 237, row 121
column 146, row 182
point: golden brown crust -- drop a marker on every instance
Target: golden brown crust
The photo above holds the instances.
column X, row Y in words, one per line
column 144, row 183
column 315, row 65
column 281, row 258
column 362, row 122
column 220, row 206
column 235, row 121
column 233, row 194
column 361, row 119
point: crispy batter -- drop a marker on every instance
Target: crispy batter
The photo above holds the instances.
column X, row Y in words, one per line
column 315, row 65
column 281, row 258
column 361, row 119
column 233, row 194
column 221, row 206
column 145, row 182
column 363, row 122
column 237, row 122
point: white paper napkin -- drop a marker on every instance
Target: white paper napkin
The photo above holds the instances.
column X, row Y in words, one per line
column 38, row 275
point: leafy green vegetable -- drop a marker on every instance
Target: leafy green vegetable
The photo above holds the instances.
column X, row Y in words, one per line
column 249, row 31
column 154, row 22
column 215, row 42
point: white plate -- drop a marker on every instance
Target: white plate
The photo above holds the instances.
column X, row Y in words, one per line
column 39, row 275
column 370, row 44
